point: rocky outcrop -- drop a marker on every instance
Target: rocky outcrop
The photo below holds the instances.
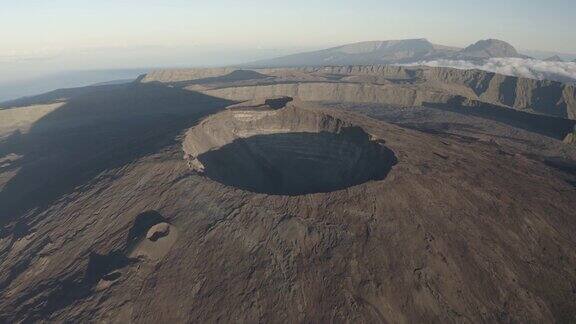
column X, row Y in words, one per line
column 157, row 231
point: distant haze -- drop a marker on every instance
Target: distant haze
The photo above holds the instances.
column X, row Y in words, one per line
column 29, row 75
column 41, row 37
column 51, row 81
column 44, row 29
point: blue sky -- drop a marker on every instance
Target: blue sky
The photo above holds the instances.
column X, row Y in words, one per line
column 146, row 32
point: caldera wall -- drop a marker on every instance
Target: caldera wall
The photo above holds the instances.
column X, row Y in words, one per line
column 432, row 83
column 289, row 151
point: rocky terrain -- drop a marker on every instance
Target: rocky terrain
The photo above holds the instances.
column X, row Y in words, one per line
column 335, row 194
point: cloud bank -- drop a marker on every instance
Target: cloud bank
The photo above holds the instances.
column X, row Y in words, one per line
column 528, row 68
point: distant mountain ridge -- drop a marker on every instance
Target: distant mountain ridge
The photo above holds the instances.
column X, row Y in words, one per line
column 554, row 58
column 392, row 51
column 489, row 48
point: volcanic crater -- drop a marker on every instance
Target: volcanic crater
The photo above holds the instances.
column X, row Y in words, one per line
column 282, row 147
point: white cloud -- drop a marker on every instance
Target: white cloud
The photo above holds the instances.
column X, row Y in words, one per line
column 528, row 68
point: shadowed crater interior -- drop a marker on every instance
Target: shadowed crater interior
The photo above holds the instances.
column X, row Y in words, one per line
column 285, row 149
column 299, row 163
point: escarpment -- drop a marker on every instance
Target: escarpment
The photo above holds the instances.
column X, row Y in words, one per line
column 328, row 91
column 175, row 75
column 403, row 86
column 538, row 96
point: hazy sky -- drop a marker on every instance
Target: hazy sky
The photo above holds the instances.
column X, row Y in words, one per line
column 59, row 34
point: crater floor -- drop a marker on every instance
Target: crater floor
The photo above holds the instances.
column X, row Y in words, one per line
column 298, row 163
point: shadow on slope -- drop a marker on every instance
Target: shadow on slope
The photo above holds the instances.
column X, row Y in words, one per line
column 100, row 129
column 234, row 76
column 58, row 95
column 554, row 127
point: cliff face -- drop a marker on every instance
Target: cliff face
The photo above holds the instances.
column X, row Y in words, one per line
column 176, row 75
column 322, row 91
column 406, row 86
column 543, row 97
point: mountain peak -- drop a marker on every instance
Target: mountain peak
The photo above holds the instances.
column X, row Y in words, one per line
column 364, row 53
column 392, row 52
column 488, row 48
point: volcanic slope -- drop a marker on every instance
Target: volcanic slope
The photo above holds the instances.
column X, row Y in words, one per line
column 156, row 202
